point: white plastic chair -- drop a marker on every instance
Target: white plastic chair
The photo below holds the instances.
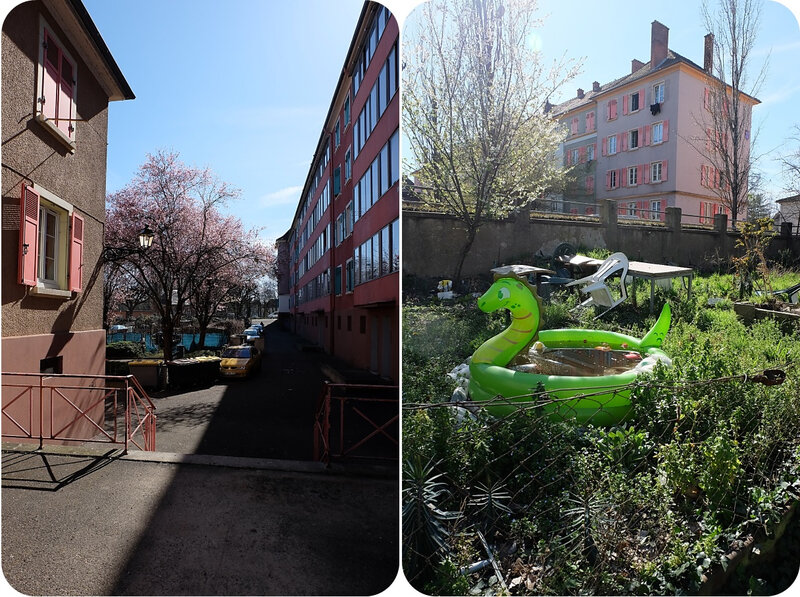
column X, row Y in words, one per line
column 597, row 289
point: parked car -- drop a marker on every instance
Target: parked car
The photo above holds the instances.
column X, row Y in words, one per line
column 240, row 361
column 252, row 333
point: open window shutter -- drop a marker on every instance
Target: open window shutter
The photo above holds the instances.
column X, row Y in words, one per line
column 664, row 171
column 76, row 254
column 50, row 80
column 647, row 135
column 623, row 141
column 65, row 98
column 608, row 179
column 623, row 174
column 625, row 104
column 642, row 96
column 604, row 147
column 582, row 154
column 646, row 173
column 28, row 236
column 569, row 157
column 666, row 131
column 640, row 174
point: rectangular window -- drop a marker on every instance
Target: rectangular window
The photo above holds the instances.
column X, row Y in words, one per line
column 56, row 85
column 349, row 278
column 631, row 210
column 395, row 246
column 655, row 172
column 348, row 219
column 657, row 133
column 347, row 110
column 336, row 135
column 633, row 139
column 612, row 179
column 337, row 280
column 658, row 93
column 632, row 176
column 394, row 157
column 590, row 152
column 386, row 263
column 348, row 165
column 575, row 156
column 50, row 242
column 655, row 210
column 384, row 170
column 635, row 100
column 612, row 145
column 337, row 181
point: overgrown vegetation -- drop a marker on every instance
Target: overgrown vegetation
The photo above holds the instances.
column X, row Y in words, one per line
column 708, row 458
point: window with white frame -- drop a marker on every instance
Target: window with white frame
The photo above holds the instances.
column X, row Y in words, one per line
column 56, row 82
column 633, row 178
column 50, row 243
column 633, row 139
column 612, row 145
column 347, row 110
column 655, row 172
column 657, row 133
column 632, row 209
column 349, row 271
column 590, row 152
column 348, row 165
column 655, row 209
column 612, row 179
column 658, row 93
column 635, row 101
column 575, row 156
column 337, row 137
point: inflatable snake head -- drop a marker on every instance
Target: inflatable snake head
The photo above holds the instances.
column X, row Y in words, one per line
column 510, row 293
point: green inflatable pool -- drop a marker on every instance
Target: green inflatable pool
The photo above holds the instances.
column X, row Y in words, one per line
column 598, row 399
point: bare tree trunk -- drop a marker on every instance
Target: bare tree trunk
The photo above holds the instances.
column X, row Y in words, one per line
column 464, row 250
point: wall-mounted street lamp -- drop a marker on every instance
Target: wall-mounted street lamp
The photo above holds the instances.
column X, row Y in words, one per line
column 146, row 236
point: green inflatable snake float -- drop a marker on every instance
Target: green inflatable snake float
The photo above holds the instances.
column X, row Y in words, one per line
column 601, row 400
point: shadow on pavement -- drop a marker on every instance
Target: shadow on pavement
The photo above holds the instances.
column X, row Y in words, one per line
column 38, row 471
column 261, row 532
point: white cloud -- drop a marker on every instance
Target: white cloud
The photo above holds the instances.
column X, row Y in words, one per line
column 779, row 95
column 286, row 196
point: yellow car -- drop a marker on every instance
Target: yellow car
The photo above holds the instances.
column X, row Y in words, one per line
column 240, row 361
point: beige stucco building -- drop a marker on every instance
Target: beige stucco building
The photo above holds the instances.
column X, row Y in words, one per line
column 58, row 78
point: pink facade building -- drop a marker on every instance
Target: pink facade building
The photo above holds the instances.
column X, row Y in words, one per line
column 339, row 262
column 644, row 140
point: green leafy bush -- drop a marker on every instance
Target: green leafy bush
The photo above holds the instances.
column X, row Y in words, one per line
column 124, row 350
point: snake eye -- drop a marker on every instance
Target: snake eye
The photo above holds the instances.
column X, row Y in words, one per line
column 503, row 294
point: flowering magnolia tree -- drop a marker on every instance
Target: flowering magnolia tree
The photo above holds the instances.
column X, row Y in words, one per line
column 197, row 252
column 474, row 96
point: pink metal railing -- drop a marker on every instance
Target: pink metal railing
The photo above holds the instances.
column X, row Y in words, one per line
column 353, row 397
column 78, row 408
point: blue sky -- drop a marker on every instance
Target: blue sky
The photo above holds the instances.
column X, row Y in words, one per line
column 241, row 86
column 608, row 35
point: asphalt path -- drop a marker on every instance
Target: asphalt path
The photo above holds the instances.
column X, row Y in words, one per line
column 230, row 504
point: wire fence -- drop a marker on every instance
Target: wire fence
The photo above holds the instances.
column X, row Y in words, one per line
column 527, row 503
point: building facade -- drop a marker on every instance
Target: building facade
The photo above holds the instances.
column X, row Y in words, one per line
column 58, row 78
column 645, row 139
column 340, row 283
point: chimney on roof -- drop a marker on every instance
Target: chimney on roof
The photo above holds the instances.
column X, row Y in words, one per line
column 547, row 106
column 659, row 43
column 708, row 53
column 636, row 65
column 580, row 93
column 595, row 86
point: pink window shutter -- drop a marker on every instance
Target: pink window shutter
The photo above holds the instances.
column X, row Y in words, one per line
column 647, row 135
column 608, row 180
column 646, row 172
column 569, row 158
column 625, row 104
column 664, row 171
column 605, row 146
column 28, row 236
column 76, row 254
column 50, row 86
column 702, row 176
column 582, row 154
column 642, row 96
column 623, row 175
column 623, row 141
column 640, row 174
column 65, row 98
column 666, row 131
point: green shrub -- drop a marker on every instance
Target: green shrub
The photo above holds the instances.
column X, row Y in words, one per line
column 124, row 350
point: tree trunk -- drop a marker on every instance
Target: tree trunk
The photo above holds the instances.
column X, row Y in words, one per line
column 202, row 341
column 464, row 250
